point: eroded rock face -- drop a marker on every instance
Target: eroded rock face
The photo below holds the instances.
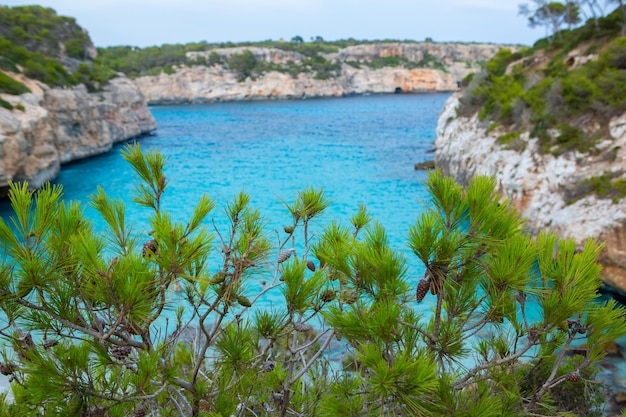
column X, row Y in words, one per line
column 198, row 83
column 62, row 125
column 206, row 84
column 539, row 185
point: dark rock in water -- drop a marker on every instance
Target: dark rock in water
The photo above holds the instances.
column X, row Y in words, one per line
column 425, row 165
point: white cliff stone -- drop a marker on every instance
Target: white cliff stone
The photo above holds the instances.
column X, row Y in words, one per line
column 199, row 83
column 57, row 126
column 537, row 183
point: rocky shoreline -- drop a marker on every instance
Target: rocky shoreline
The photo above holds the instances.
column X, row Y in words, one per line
column 540, row 184
column 357, row 73
column 53, row 126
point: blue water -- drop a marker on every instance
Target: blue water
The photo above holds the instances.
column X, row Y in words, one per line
column 357, row 149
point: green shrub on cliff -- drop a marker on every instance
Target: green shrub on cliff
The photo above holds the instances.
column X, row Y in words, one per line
column 168, row 321
column 10, row 86
column 34, row 39
column 40, row 29
column 539, row 96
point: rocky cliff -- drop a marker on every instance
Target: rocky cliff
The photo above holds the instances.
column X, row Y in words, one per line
column 51, row 126
column 541, row 185
column 357, row 75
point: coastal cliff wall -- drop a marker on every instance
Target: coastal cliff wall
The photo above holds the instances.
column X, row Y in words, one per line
column 540, row 185
column 199, row 84
column 426, row 67
column 52, row 126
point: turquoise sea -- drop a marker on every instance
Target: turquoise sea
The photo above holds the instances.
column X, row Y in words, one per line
column 359, row 149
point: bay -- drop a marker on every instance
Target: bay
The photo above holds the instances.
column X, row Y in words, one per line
column 359, row 149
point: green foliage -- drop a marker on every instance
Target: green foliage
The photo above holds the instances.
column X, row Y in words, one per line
column 558, row 96
column 39, row 29
column 10, row 86
column 34, row 38
column 5, row 104
column 243, row 64
column 608, row 185
column 91, row 323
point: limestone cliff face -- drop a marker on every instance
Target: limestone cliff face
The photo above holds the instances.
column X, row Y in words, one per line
column 204, row 84
column 537, row 184
column 200, row 83
column 62, row 125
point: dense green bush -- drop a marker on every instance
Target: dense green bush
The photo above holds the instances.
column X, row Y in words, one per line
column 92, row 327
column 558, row 96
column 5, row 104
column 609, row 185
column 243, row 64
column 10, row 86
column 40, row 29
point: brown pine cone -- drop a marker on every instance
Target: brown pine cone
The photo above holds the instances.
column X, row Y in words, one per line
column 310, row 265
column 422, row 289
column 284, row 255
column 120, row 352
column 328, row 296
column 140, row 412
column 7, row 368
column 573, row 376
column 151, row 247
column 302, row 327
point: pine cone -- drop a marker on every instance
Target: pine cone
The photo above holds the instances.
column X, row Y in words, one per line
column 268, row 366
column 283, row 256
column 422, row 289
column 7, row 368
column 244, row 301
column 47, row 344
column 310, row 265
column 573, row 376
column 140, row 412
column 27, row 340
column 302, row 327
column 151, row 247
column 288, row 229
column 120, row 352
column 328, row 296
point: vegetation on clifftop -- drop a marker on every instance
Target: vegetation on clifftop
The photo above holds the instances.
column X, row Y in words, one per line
column 53, row 49
column 154, row 60
column 564, row 89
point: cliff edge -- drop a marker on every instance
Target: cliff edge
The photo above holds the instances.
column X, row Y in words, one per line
column 542, row 186
column 48, row 127
column 255, row 73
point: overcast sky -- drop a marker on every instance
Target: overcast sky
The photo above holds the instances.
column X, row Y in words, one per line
column 155, row 22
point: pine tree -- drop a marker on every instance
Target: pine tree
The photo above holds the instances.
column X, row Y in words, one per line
column 90, row 327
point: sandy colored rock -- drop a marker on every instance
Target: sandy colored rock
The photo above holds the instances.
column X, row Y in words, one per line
column 61, row 125
column 199, row 83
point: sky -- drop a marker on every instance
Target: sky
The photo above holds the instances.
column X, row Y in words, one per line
column 156, row 22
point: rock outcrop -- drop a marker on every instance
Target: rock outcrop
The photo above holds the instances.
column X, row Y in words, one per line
column 540, row 185
column 201, row 83
column 50, row 126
